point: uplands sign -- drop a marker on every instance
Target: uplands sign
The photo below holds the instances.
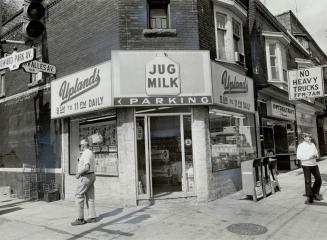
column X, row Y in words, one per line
column 232, row 89
column 305, row 83
column 152, row 78
column 82, row 92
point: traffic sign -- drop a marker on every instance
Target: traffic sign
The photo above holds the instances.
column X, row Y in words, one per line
column 14, row 60
column 36, row 66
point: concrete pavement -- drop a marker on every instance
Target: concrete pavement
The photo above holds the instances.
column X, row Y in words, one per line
column 280, row 216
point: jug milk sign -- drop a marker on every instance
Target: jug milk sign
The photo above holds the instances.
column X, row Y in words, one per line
column 162, row 77
column 305, row 83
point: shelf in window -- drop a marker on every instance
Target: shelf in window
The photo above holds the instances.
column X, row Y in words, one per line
column 159, row 32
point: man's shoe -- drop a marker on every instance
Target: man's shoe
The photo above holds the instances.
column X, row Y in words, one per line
column 78, row 222
column 308, row 201
column 91, row 220
column 318, row 197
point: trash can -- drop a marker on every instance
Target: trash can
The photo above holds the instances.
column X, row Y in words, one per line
column 252, row 178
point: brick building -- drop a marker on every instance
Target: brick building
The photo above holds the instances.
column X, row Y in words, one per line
column 162, row 89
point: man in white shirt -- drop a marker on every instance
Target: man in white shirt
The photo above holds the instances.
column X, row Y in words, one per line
column 85, row 185
column 308, row 153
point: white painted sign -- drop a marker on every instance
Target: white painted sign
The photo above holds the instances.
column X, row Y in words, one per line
column 280, row 110
column 36, row 66
column 231, row 89
column 14, row 60
column 305, row 83
column 82, row 92
column 152, row 78
column 162, row 77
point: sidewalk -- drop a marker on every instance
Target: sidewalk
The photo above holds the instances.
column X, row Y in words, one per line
column 280, row 216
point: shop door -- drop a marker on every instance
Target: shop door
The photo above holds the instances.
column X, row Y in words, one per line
column 165, row 165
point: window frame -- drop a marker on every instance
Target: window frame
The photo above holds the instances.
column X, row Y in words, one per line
column 280, row 54
column 166, row 5
column 2, row 83
column 229, row 46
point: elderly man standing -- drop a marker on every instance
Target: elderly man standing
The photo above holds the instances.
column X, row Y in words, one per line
column 85, row 185
column 308, row 153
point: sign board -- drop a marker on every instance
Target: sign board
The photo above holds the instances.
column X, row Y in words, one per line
column 36, row 66
column 305, row 83
column 81, row 92
column 152, row 78
column 14, row 60
column 231, row 89
column 280, row 110
column 162, row 77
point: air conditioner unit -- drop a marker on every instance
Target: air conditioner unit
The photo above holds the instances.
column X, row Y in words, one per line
column 239, row 58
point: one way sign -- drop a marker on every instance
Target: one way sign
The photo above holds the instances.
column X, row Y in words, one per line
column 36, row 66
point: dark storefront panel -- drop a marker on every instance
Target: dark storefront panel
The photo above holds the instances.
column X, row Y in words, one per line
column 31, row 139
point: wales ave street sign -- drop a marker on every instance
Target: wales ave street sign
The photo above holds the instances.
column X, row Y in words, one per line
column 36, row 66
column 14, row 60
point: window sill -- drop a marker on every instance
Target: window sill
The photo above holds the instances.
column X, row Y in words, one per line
column 35, row 83
column 235, row 64
column 159, row 32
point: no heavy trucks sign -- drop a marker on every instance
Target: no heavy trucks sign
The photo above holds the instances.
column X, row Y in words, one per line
column 305, row 83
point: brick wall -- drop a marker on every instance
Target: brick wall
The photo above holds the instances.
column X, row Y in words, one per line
column 207, row 27
column 81, row 33
column 133, row 20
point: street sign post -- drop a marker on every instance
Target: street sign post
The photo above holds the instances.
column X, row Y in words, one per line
column 14, row 60
column 36, row 66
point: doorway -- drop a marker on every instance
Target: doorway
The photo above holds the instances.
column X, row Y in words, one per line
column 164, row 156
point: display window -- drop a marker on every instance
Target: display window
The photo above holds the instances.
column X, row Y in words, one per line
column 101, row 133
column 232, row 137
column 278, row 137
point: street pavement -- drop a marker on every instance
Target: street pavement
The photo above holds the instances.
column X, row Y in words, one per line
column 280, row 216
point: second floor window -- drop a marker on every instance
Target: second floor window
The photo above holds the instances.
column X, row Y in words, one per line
column 221, row 32
column 2, row 84
column 237, row 35
column 229, row 33
column 158, row 14
column 276, row 61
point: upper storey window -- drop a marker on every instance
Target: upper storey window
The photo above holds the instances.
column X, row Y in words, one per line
column 276, row 56
column 2, row 84
column 158, row 14
column 229, row 20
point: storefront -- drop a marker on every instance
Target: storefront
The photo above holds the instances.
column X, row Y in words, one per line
column 306, row 122
column 148, row 133
column 167, row 93
column 232, row 128
column 278, row 130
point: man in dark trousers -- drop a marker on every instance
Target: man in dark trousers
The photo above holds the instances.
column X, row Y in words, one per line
column 308, row 153
column 85, row 185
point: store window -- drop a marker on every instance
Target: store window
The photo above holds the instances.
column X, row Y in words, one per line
column 158, row 14
column 278, row 137
column 229, row 34
column 232, row 137
column 2, row 84
column 102, row 135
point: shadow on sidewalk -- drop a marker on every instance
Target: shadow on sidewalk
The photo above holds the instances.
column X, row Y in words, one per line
column 5, row 211
column 132, row 218
column 13, row 204
column 319, row 204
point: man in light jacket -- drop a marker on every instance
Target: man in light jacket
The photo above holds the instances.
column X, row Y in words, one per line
column 308, row 153
column 85, row 185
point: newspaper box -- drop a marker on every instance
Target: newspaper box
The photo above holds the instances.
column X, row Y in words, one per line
column 252, row 178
